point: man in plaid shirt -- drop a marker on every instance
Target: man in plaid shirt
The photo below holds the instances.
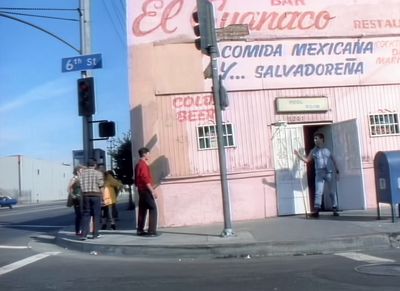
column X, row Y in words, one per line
column 91, row 181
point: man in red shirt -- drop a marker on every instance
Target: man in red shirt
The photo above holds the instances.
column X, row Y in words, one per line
column 147, row 195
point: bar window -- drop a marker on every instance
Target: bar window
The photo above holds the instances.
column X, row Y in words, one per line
column 383, row 124
column 207, row 136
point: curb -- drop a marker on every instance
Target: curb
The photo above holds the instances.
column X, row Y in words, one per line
column 237, row 250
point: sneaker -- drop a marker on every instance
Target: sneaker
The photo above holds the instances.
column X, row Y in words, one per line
column 335, row 211
column 82, row 238
column 97, row 236
column 113, row 227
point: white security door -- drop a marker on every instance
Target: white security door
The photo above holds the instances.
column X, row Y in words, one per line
column 290, row 174
column 347, row 152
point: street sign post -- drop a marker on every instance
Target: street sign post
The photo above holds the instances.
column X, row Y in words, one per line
column 81, row 63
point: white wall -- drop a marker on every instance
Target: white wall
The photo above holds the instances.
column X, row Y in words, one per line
column 39, row 180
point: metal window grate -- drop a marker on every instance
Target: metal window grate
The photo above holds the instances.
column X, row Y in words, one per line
column 207, row 136
column 383, row 124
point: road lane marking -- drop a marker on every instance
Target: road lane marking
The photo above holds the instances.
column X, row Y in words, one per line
column 19, row 264
column 364, row 258
column 32, row 225
column 15, row 247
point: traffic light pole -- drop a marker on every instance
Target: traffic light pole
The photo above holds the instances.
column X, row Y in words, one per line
column 86, row 48
column 208, row 45
column 221, row 148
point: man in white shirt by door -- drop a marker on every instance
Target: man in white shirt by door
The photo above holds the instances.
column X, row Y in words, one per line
column 325, row 167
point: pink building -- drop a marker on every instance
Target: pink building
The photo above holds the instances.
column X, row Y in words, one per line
column 305, row 65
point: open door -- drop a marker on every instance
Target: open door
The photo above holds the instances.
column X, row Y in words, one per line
column 347, row 152
column 290, row 175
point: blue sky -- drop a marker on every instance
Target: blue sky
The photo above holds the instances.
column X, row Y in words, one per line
column 38, row 103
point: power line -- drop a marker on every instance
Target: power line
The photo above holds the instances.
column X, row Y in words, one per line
column 113, row 24
column 123, row 5
column 117, row 13
column 40, row 28
column 39, row 16
column 44, row 9
column 121, row 8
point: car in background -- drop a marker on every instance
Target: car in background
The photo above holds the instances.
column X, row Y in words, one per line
column 7, row 201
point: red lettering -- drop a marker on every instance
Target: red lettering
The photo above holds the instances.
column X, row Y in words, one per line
column 152, row 13
column 221, row 6
column 158, row 15
column 264, row 18
column 322, row 19
column 195, row 115
column 202, row 115
column 170, row 12
column 181, row 116
column 250, row 21
column 291, row 23
column 177, row 102
column 211, row 114
column 198, row 102
column 208, row 100
column 192, row 115
column 188, row 102
column 192, row 101
column 301, row 20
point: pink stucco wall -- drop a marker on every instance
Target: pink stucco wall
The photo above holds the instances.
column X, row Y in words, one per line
column 199, row 201
column 170, row 97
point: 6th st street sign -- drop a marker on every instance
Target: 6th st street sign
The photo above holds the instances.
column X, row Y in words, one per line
column 81, row 63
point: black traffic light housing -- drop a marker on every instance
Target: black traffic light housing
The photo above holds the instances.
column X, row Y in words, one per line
column 107, row 129
column 204, row 28
column 86, row 97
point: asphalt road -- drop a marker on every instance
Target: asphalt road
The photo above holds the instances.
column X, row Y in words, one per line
column 27, row 263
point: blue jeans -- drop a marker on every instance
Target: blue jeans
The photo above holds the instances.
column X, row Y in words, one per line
column 322, row 177
column 91, row 207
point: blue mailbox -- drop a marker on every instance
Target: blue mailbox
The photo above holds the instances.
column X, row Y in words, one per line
column 387, row 179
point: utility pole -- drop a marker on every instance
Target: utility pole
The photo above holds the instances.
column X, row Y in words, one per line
column 209, row 46
column 221, row 147
column 86, row 48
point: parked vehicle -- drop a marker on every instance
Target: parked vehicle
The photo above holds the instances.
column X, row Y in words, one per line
column 7, row 201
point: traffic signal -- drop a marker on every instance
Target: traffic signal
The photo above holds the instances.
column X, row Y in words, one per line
column 86, row 102
column 204, row 28
column 107, row 129
column 223, row 95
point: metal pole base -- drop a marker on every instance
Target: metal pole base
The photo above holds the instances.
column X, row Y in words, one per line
column 227, row 232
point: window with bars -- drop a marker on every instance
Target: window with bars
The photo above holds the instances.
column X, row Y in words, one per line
column 383, row 124
column 207, row 136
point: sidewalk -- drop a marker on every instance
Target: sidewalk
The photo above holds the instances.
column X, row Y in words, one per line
column 288, row 235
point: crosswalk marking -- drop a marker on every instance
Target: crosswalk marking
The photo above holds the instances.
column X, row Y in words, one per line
column 15, row 247
column 32, row 225
column 19, row 264
column 364, row 258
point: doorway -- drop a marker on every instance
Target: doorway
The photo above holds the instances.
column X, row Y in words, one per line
column 295, row 181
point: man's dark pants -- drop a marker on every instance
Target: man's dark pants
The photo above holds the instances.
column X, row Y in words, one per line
column 91, row 207
column 147, row 202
